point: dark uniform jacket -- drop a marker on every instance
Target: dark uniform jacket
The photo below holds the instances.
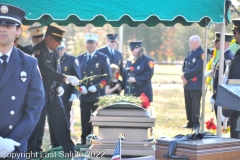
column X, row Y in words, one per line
column 228, row 55
column 25, row 50
column 234, row 73
column 21, row 98
column 29, row 47
column 193, row 69
column 49, row 68
column 116, row 59
column 69, row 66
column 143, row 72
column 98, row 65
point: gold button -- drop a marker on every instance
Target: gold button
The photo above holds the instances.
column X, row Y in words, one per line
column 10, row 127
column 91, row 72
column 13, row 97
column 91, row 83
column 12, row 112
column 84, row 72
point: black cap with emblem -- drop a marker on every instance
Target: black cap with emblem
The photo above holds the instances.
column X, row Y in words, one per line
column 112, row 36
column 135, row 44
column 228, row 37
column 11, row 15
column 236, row 24
column 55, row 32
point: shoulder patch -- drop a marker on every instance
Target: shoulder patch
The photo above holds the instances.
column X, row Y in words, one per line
column 151, row 64
column 202, row 56
column 76, row 62
column 36, row 52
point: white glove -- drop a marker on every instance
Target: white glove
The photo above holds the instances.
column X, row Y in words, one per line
column 60, row 91
column 84, row 90
column 92, row 88
column 7, row 146
column 212, row 101
column 225, row 79
column 73, row 97
column 208, row 73
column 72, row 79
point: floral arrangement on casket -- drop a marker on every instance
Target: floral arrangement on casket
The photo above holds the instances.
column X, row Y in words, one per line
column 107, row 100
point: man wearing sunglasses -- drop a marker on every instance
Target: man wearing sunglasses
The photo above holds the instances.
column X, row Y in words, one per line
column 114, row 55
column 21, row 88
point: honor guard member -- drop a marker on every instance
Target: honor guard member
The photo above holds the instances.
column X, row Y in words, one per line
column 91, row 63
column 52, row 78
column 21, row 88
column 234, row 73
column 110, row 50
column 36, row 33
column 138, row 72
column 192, row 80
column 69, row 66
column 228, row 56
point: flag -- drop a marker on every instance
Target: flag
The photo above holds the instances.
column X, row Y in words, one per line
column 117, row 151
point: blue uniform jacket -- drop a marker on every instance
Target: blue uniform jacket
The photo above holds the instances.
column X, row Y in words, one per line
column 193, row 69
column 228, row 55
column 69, row 66
column 143, row 72
column 21, row 102
column 98, row 65
column 117, row 58
column 49, row 68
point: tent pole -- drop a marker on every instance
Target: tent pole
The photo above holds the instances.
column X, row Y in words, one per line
column 220, row 78
column 120, row 47
column 204, row 79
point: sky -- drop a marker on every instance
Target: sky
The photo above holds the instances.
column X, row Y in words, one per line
column 235, row 3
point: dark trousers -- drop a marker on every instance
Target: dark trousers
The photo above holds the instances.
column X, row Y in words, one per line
column 67, row 106
column 40, row 133
column 58, row 121
column 192, row 105
column 87, row 108
column 233, row 125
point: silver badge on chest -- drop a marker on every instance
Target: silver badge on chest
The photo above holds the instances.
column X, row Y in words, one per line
column 194, row 60
column 23, row 76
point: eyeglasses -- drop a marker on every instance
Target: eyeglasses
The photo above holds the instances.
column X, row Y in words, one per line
column 113, row 41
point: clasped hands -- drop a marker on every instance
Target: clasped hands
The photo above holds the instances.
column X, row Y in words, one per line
column 183, row 79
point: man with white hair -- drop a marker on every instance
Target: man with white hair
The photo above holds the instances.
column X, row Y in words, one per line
column 92, row 63
column 192, row 80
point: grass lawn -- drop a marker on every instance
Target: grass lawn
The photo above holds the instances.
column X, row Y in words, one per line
column 168, row 106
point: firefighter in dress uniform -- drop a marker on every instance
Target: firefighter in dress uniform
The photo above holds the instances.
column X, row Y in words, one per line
column 21, row 88
column 91, row 63
column 192, row 80
column 138, row 72
column 52, row 78
column 110, row 50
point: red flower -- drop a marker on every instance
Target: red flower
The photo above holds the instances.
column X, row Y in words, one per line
column 194, row 79
column 103, row 82
column 80, row 89
column 210, row 124
column 145, row 101
column 131, row 68
column 117, row 75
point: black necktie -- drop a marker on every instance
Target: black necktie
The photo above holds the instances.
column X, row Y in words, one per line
column 3, row 64
column 89, row 58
